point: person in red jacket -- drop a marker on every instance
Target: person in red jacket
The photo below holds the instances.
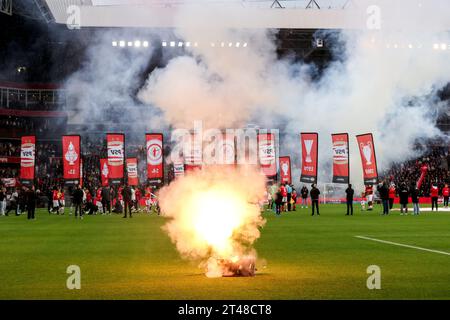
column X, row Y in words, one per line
column 62, row 201
column 446, row 195
column 284, row 196
column 55, row 199
column 434, row 193
column 98, row 199
column 392, row 192
column 138, row 199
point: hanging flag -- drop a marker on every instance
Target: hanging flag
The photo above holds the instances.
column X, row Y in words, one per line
column 104, row 172
column 71, row 158
column 423, row 174
column 155, row 157
column 285, row 170
column 341, row 158
column 27, row 159
column 132, row 173
column 267, row 154
column 368, row 158
column 310, row 143
column 116, row 157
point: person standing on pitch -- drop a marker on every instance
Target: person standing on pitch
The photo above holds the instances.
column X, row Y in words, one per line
column 349, row 192
column 384, row 195
column 78, row 201
column 414, row 192
column 446, row 194
column 2, row 201
column 106, row 200
column 126, row 197
column 304, row 192
column 392, row 193
column 404, row 194
column 434, row 193
column 278, row 202
column 314, row 198
column 289, row 196
column 31, row 202
column 294, row 198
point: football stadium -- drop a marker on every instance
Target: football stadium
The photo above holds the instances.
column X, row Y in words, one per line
column 224, row 150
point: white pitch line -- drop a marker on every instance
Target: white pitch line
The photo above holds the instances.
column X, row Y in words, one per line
column 403, row 245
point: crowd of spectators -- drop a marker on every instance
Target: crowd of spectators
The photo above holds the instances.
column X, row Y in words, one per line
column 10, row 148
column 31, row 100
column 30, row 125
column 437, row 160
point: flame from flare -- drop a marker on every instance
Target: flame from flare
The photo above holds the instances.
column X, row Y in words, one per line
column 214, row 215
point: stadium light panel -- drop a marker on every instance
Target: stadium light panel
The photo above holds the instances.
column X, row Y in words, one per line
column 238, row 44
column 114, row 43
column 443, row 46
column 436, row 46
column 122, row 43
column 130, row 44
column 187, row 44
column 180, row 44
column 245, row 44
column 145, row 44
column 164, row 44
column 137, row 44
column 172, row 43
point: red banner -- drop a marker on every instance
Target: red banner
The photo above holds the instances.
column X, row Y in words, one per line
column 9, row 182
column 155, row 157
column 267, row 154
column 9, row 159
column 310, row 143
column 116, row 156
column 104, row 172
column 71, row 158
column 285, row 170
column 27, row 158
column 341, row 158
column 368, row 158
column 132, row 172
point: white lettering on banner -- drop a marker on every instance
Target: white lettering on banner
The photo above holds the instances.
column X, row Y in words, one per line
column 115, row 153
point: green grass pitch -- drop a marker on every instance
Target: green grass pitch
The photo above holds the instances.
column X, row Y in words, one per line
column 305, row 258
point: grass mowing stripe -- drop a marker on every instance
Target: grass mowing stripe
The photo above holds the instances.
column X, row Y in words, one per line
column 403, row 245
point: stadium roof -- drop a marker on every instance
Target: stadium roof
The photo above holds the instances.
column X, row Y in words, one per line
column 299, row 14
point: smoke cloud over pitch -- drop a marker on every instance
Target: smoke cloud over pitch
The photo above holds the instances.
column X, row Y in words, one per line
column 366, row 88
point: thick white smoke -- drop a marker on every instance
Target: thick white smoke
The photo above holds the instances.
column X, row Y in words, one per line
column 103, row 90
column 367, row 88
